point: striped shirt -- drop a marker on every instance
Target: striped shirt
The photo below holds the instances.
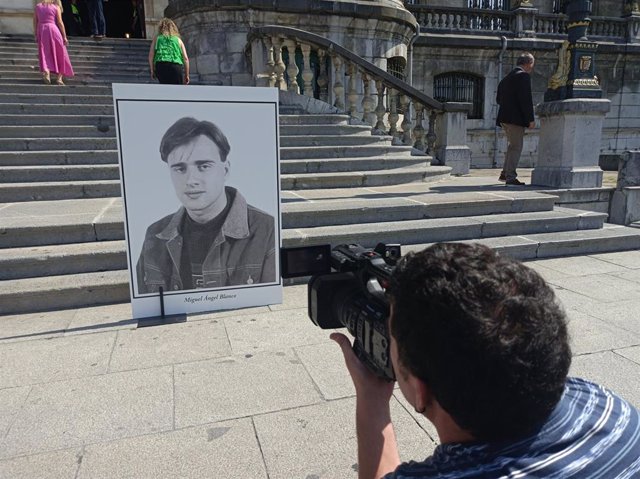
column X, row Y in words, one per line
column 592, row 433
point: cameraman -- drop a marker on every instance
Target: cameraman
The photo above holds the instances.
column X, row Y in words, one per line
column 479, row 346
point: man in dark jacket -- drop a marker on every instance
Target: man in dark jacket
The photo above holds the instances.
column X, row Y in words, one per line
column 515, row 113
column 215, row 239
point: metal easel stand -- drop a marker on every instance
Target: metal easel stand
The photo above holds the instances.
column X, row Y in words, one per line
column 163, row 318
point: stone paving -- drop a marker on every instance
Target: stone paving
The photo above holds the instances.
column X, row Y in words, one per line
column 254, row 393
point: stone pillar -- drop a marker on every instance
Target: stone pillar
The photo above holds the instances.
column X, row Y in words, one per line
column 633, row 27
column 569, row 145
column 524, row 18
column 451, row 138
column 625, row 204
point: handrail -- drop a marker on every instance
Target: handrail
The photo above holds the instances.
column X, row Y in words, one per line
column 331, row 46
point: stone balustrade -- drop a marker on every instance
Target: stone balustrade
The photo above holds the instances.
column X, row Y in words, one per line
column 437, row 19
column 610, row 27
column 457, row 19
column 313, row 66
column 551, row 24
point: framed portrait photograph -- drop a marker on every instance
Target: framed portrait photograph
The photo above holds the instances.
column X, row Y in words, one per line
column 200, row 176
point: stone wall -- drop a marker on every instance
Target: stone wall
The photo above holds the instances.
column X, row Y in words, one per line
column 216, row 38
column 16, row 17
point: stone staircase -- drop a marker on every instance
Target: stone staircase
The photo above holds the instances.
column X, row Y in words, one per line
column 61, row 231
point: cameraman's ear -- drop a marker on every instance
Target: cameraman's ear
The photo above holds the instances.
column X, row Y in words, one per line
column 422, row 396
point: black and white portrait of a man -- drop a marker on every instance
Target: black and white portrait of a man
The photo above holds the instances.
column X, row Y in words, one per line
column 215, row 239
column 200, row 176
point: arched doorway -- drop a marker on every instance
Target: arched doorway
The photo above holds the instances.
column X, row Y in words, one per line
column 124, row 17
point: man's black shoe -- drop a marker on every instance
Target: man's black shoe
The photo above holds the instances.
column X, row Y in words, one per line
column 502, row 177
column 515, row 182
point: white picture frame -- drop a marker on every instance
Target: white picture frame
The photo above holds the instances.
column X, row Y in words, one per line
column 248, row 117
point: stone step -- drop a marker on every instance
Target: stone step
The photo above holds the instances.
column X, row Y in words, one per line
column 105, row 130
column 33, row 190
column 40, row 144
column 101, row 219
column 54, row 260
column 40, row 88
column 56, row 173
column 334, row 140
column 109, row 255
column 345, row 211
column 58, row 190
column 355, row 179
column 318, row 129
column 447, row 229
column 336, row 165
column 329, row 119
column 64, row 291
column 57, row 96
column 78, row 79
column 80, row 54
column 610, row 238
column 84, row 52
column 58, row 157
column 316, row 152
column 42, row 223
column 53, row 109
column 32, row 167
column 128, row 44
column 78, row 69
column 53, row 121
column 27, row 61
column 76, row 290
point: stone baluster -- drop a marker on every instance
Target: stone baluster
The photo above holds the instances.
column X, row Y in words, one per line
column 338, row 87
column 352, row 92
column 418, row 130
column 323, row 78
column 292, row 68
column 393, row 115
column 380, row 110
column 279, row 67
column 307, row 73
column 431, row 134
column 271, row 73
column 406, row 119
column 368, row 103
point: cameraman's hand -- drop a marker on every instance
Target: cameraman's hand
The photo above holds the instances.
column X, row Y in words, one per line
column 377, row 446
column 368, row 385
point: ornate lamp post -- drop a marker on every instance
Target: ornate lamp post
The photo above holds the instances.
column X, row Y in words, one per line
column 575, row 76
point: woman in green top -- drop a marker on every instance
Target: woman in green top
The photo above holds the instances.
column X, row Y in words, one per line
column 168, row 60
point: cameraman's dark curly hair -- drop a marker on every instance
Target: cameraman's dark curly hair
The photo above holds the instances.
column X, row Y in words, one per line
column 485, row 333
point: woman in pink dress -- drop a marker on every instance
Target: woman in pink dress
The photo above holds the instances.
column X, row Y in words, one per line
column 51, row 38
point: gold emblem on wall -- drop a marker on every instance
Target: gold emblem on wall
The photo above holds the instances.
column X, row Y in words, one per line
column 585, row 63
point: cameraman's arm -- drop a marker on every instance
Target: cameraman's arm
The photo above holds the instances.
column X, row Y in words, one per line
column 377, row 448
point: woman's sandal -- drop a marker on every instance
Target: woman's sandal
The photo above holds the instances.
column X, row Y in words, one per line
column 46, row 78
column 59, row 81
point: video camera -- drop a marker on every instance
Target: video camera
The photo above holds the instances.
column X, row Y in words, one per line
column 353, row 296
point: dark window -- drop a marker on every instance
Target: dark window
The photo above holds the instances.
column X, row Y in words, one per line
column 557, row 6
column 461, row 87
column 396, row 67
column 489, row 4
